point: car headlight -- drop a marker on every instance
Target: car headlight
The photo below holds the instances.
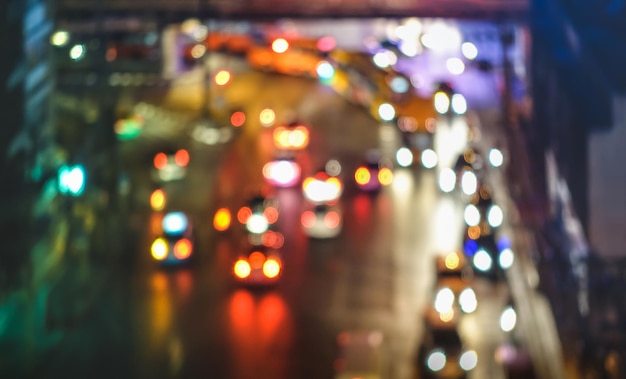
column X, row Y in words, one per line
column 468, row 360
column 436, row 360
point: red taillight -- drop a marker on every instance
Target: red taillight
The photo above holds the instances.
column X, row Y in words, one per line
column 182, row 158
column 308, row 219
column 332, row 219
column 256, row 260
column 160, row 161
column 271, row 268
column 271, row 214
column 183, row 248
column 244, row 214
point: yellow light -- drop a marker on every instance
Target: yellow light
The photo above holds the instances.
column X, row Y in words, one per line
column 447, row 316
column 198, row 51
column 222, row 78
column 385, row 176
column 241, row 269
column 267, row 117
column 157, row 200
column 452, row 261
column 362, row 175
column 271, row 268
column 222, row 219
column 159, row 249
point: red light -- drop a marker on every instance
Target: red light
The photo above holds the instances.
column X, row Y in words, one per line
column 182, row 158
column 256, row 259
column 269, row 238
column 308, row 219
column 238, row 118
column 160, row 161
column 271, row 214
column 182, row 249
column 326, row 44
column 243, row 214
column 332, row 219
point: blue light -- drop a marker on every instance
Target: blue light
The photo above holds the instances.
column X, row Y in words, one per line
column 470, row 247
column 71, row 180
column 504, row 243
column 174, row 223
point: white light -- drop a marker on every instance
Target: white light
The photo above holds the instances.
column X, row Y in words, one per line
column 409, row 48
column 455, row 66
column 60, row 38
column 77, row 52
column 495, row 216
column 482, row 260
column 325, row 70
column 467, row 300
column 471, row 215
column 174, row 223
column 333, row 167
column 508, row 319
column 469, row 50
column 447, row 180
column 404, row 157
column 429, row 158
column 436, row 360
column 459, row 104
column 468, row 360
column 386, row 112
column 280, row 45
column 444, row 300
column 506, row 258
column 469, row 183
column 441, row 37
column 495, row 157
column 257, row 224
column 320, row 191
column 384, row 59
column 283, row 173
column 74, row 180
column 442, row 102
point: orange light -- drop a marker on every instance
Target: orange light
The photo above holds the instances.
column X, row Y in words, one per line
column 271, row 214
column 222, row 78
column 308, row 219
column 160, row 161
column 244, row 214
column 306, row 182
column 332, row 219
column 222, row 219
column 183, row 248
column 271, row 268
column 159, row 249
column 269, row 238
column 447, row 316
column 362, row 175
column 473, row 232
column 241, row 269
column 238, row 118
column 385, row 176
column 256, row 259
column 157, row 200
column 182, row 158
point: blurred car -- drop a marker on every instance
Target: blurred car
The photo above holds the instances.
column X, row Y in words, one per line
column 322, row 187
column 360, row 355
column 488, row 256
column 295, row 62
column 175, row 244
column 259, row 266
column 453, row 264
column 373, row 173
column 322, row 220
column 482, row 211
column 416, row 150
column 170, row 164
column 282, row 172
column 258, row 214
column 291, row 136
column 442, row 354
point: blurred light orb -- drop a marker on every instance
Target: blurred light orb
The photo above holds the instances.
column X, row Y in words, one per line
column 455, row 66
column 469, row 50
column 467, row 300
column 495, row 157
column 326, row 44
column 325, row 70
column 482, row 260
column 77, row 52
column 508, row 319
column 399, row 84
column 280, row 45
column 404, row 157
column 386, row 112
column 471, row 215
column 442, row 102
column 506, row 258
column 267, row 117
column 469, row 182
column 198, row 51
column 429, row 158
column 333, row 167
column 495, row 216
column 222, row 77
column 60, row 38
column 447, row 180
column 436, row 361
column 459, row 104
column 468, row 360
column 444, row 300
column 385, row 58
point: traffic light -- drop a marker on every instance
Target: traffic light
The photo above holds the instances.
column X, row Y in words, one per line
column 72, row 180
